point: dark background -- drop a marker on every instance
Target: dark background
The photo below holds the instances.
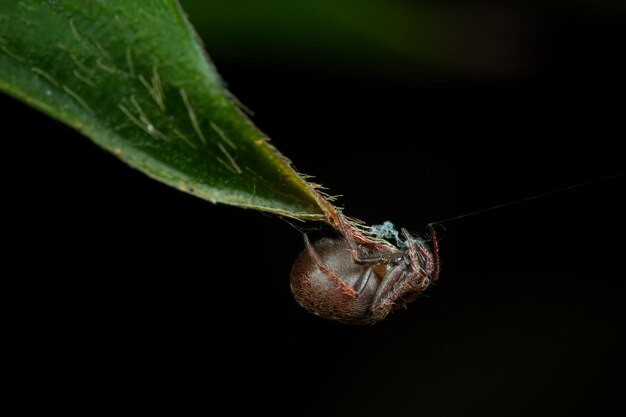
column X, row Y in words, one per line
column 136, row 292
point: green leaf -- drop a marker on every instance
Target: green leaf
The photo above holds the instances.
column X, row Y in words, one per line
column 133, row 76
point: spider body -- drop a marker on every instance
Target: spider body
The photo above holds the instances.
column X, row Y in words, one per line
column 345, row 280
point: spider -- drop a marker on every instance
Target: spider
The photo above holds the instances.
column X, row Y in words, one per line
column 354, row 280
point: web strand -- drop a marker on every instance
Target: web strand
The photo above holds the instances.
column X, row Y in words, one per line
column 534, row 197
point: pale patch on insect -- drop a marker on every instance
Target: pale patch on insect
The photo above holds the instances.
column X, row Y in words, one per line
column 387, row 231
column 192, row 116
column 78, row 98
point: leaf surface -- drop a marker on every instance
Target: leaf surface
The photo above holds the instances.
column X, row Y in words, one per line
column 134, row 77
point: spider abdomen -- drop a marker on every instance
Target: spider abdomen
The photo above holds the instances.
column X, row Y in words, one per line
column 321, row 295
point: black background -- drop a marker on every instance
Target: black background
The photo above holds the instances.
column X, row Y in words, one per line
column 133, row 291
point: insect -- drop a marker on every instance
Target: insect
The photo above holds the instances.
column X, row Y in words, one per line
column 353, row 280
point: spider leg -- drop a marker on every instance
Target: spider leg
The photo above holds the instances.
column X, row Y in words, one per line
column 365, row 280
column 395, row 283
column 347, row 230
column 427, row 262
column 435, row 245
column 351, row 235
column 398, row 283
column 326, row 271
column 412, row 252
column 368, row 259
